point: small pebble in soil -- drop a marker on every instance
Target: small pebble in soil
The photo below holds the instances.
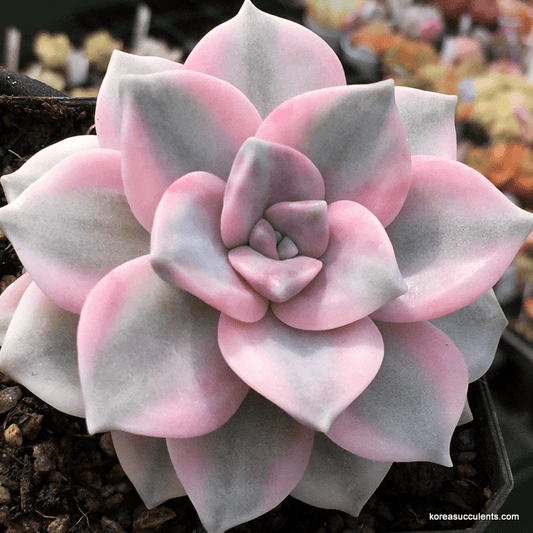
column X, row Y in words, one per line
column 465, row 457
column 61, row 524
column 123, row 487
column 9, row 397
column 335, row 523
column 4, row 511
column 151, row 518
column 116, row 474
column 91, row 479
column 110, row 526
column 5, row 495
column 45, row 455
column 114, row 501
column 13, row 436
column 466, row 470
column 106, row 443
column 31, row 426
column 465, row 440
column 106, row 491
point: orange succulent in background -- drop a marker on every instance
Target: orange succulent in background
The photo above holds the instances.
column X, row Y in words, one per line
column 507, row 164
column 378, row 36
column 407, row 57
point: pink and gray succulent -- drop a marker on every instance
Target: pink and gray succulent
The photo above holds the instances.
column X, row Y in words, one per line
column 261, row 280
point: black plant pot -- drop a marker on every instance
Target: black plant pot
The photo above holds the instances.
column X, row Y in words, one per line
column 517, row 366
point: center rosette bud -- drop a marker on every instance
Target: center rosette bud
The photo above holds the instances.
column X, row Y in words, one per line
column 281, row 257
column 275, row 220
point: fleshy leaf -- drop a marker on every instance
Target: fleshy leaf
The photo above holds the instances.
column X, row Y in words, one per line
column 149, row 359
column 39, row 351
column 187, row 250
column 287, row 248
column 44, row 160
column 246, row 52
column 9, row 301
column 410, row 410
column 360, row 274
column 466, row 416
column 108, row 115
column 276, row 280
column 263, row 239
column 174, row 123
column 312, row 375
column 246, row 467
column 147, row 464
column 454, row 238
column 355, row 137
column 73, row 226
column 337, row 479
column 429, row 119
column 264, row 174
column 476, row 330
column 305, row 222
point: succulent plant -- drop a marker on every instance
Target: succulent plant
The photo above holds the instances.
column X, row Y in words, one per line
column 261, row 280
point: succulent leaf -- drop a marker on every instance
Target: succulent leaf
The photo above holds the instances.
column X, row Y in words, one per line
column 337, row 479
column 246, row 467
column 262, row 175
column 476, row 330
column 108, row 115
column 147, row 464
column 43, row 161
column 188, row 252
column 174, row 123
column 454, row 237
column 359, row 275
column 312, row 375
column 429, row 119
column 42, row 338
column 149, row 359
column 409, row 411
column 74, row 225
column 246, row 52
column 9, row 301
column 355, row 137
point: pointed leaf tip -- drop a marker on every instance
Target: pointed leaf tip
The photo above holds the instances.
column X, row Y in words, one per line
column 476, row 330
column 246, row 51
column 411, row 408
column 338, row 479
column 453, row 238
column 312, row 375
column 39, row 351
column 429, row 119
column 16, row 183
column 148, row 466
column 108, row 115
column 246, row 467
column 74, row 225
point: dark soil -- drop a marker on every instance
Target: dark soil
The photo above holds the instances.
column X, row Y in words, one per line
column 28, row 124
column 55, row 478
